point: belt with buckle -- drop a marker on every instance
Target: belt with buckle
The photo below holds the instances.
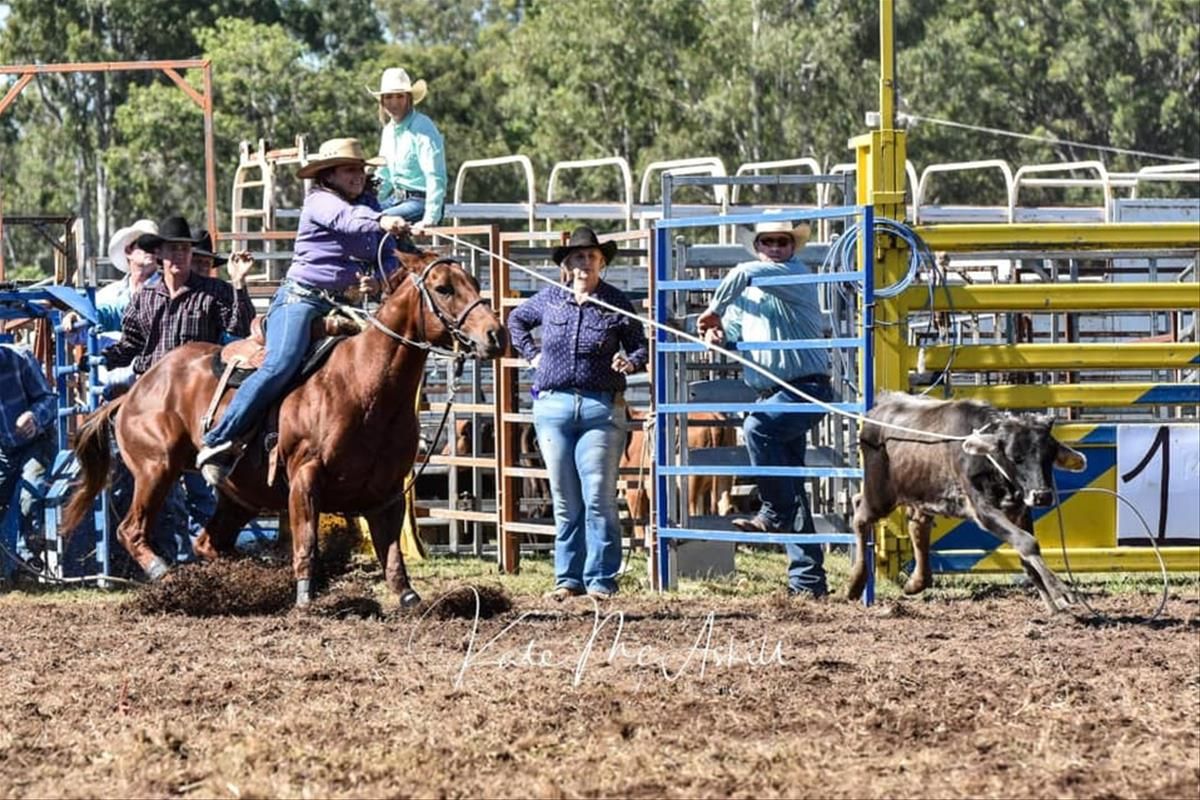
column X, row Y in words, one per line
column 308, row 290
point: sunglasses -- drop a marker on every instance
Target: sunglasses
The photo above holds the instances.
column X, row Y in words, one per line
column 775, row 241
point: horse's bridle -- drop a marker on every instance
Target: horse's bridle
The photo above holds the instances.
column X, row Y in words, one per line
column 454, row 326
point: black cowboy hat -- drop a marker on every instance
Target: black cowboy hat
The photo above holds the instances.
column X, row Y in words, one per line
column 581, row 238
column 204, row 247
column 171, row 229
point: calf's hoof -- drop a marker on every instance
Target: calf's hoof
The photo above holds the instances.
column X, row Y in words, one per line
column 854, row 589
column 409, row 599
column 303, row 592
column 916, row 585
column 156, row 570
column 1063, row 602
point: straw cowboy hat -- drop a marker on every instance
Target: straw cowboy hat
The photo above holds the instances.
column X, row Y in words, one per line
column 334, row 153
column 799, row 233
column 582, row 238
column 396, row 81
column 125, row 237
column 171, row 229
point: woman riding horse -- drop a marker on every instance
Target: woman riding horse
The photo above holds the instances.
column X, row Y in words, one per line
column 347, row 435
column 340, row 227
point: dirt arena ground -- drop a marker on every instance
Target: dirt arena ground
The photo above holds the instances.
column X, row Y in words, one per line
column 683, row 697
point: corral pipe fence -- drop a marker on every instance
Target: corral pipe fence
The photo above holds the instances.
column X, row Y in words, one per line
column 1095, row 323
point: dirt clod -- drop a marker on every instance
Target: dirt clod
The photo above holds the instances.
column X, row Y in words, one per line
column 461, row 603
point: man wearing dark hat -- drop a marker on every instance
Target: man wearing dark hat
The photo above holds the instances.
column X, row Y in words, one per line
column 208, row 262
column 184, row 306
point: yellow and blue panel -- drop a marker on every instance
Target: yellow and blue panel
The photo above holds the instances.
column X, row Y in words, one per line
column 1088, row 525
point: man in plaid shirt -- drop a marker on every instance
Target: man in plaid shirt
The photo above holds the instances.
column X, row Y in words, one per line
column 184, row 306
column 27, row 412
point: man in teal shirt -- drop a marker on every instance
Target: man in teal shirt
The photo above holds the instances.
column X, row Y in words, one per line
column 742, row 311
column 413, row 183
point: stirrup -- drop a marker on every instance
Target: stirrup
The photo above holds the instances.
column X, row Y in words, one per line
column 209, row 452
column 218, row 461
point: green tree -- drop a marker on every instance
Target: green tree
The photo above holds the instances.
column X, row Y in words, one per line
column 266, row 89
column 1120, row 74
column 71, row 118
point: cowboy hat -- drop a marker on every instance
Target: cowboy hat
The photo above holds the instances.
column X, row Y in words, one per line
column 125, row 237
column 582, row 238
column 204, row 247
column 171, row 229
column 799, row 233
column 334, row 153
column 396, row 81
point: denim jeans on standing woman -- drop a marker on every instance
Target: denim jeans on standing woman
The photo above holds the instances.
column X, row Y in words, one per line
column 781, row 440
column 582, row 435
column 289, row 327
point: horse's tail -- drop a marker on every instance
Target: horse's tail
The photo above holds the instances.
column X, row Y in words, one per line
column 92, row 449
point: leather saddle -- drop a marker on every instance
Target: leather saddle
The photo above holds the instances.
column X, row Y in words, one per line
column 248, row 354
column 236, row 361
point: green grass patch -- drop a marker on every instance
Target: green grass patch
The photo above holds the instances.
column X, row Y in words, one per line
column 758, row 571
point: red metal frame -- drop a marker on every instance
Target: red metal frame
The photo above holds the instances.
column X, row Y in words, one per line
column 171, row 68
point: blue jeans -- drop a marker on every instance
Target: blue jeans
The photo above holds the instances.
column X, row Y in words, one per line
column 289, row 326
column 194, row 501
column 22, row 473
column 781, row 440
column 581, row 435
column 412, row 209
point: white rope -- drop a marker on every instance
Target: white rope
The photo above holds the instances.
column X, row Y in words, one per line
column 1047, row 139
column 722, row 351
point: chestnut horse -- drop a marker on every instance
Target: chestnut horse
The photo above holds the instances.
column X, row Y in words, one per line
column 347, row 435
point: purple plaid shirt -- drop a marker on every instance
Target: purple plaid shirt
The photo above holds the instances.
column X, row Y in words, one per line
column 155, row 323
column 578, row 342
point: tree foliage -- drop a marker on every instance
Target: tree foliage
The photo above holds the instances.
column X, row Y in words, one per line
column 744, row 80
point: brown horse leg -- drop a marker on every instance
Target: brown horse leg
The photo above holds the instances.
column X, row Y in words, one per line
column 385, row 527
column 302, row 508
column 151, row 483
column 219, row 536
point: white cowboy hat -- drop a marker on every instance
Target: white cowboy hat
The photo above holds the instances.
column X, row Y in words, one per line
column 799, row 233
column 126, row 236
column 396, row 81
column 334, row 153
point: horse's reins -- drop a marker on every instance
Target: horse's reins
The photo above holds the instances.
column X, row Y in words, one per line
column 456, row 355
column 454, row 326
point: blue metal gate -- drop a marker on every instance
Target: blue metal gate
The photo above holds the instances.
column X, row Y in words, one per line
column 671, row 386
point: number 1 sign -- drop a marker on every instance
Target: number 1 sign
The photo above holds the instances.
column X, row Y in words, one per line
column 1158, row 471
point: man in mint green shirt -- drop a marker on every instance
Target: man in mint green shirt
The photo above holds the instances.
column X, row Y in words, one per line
column 786, row 314
column 413, row 183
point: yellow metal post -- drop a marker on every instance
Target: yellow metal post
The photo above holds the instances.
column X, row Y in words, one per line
column 880, row 157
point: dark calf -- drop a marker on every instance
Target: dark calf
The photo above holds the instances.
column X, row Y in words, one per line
column 992, row 477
